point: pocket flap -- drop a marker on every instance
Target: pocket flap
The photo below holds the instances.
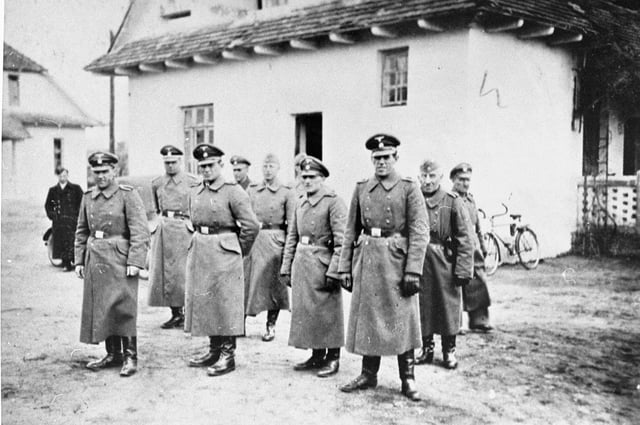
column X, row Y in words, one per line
column 189, row 226
column 230, row 244
column 401, row 244
column 122, row 246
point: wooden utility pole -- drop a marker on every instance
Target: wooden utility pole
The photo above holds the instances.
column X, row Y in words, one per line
column 112, row 137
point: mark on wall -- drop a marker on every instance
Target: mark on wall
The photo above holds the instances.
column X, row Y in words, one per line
column 485, row 93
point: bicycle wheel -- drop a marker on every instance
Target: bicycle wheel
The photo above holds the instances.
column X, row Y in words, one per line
column 492, row 259
column 56, row 262
column 528, row 249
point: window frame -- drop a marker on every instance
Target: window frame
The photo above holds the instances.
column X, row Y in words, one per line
column 190, row 131
column 57, row 154
column 14, row 89
column 401, row 76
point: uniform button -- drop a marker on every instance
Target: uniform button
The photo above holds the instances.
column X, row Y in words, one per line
column 388, row 197
column 313, row 222
column 436, row 212
column 387, row 221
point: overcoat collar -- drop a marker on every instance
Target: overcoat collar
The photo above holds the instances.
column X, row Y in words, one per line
column 214, row 185
column 273, row 187
column 436, row 199
column 317, row 197
column 107, row 193
column 387, row 184
column 177, row 178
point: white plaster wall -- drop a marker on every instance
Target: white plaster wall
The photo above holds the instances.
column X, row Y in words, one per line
column 32, row 172
column 525, row 147
column 445, row 119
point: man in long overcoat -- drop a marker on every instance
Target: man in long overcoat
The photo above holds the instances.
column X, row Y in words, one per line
column 111, row 246
column 311, row 256
column 448, row 265
column 169, row 236
column 62, row 207
column 475, row 295
column 274, row 205
column 381, row 260
column 224, row 229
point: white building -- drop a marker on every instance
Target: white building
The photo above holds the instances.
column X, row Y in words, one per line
column 43, row 130
column 490, row 83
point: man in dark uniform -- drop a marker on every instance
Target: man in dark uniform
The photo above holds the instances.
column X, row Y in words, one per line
column 224, row 229
column 241, row 166
column 170, row 237
column 475, row 295
column 448, row 265
column 274, row 204
column 310, row 262
column 111, row 245
column 381, row 260
column 62, row 206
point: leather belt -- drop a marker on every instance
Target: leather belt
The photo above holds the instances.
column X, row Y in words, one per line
column 100, row 234
column 174, row 214
column 376, row 232
column 264, row 226
column 206, row 230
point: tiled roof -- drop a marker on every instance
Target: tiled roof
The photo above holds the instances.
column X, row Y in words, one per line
column 338, row 17
column 12, row 128
column 16, row 61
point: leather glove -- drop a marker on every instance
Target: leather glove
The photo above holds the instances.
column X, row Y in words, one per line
column 460, row 281
column 345, row 281
column 410, row 285
column 331, row 284
column 286, row 279
column 80, row 272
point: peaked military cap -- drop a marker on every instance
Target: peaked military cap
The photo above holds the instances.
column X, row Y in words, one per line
column 102, row 160
column 237, row 159
column 206, row 153
column 298, row 158
column 310, row 163
column 382, row 144
column 463, row 167
column 429, row 165
column 271, row 158
column 170, row 153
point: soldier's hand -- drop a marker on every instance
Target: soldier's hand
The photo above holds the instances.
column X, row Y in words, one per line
column 345, row 281
column 332, row 284
column 80, row 272
column 286, row 279
column 461, row 281
column 410, row 284
column 133, row 271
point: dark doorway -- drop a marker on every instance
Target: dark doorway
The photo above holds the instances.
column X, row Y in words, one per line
column 309, row 134
column 631, row 162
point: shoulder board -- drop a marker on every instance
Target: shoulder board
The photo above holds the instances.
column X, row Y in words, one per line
column 469, row 195
column 332, row 194
column 156, row 179
column 233, row 183
column 88, row 190
column 363, row 181
column 254, row 184
column 287, row 186
column 408, row 179
column 126, row 187
column 453, row 195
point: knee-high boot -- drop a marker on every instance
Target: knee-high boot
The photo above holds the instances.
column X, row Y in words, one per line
column 114, row 355
column 449, row 351
column 406, row 363
column 226, row 362
column 130, row 351
column 368, row 378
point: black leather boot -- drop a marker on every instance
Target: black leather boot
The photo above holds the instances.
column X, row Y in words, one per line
column 332, row 363
column 425, row 355
column 272, row 317
column 368, row 378
column 316, row 361
column 210, row 357
column 226, row 362
column 130, row 351
column 449, row 351
column 177, row 319
column 406, row 363
column 112, row 359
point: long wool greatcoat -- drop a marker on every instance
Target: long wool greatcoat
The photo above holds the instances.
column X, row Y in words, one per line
column 312, row 253
column 274, row 206
column 440, row 302
column 170, row 239
column 382, row 322
column 62, row 207
column 476, row 294
column 214, row 296
column 112, row 234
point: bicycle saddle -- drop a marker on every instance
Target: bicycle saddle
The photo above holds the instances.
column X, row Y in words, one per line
column 515, row 216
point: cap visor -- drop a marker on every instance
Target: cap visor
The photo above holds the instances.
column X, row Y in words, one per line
column 210, row 160
column 174, row 158
column 101, row 167
column 384, row 152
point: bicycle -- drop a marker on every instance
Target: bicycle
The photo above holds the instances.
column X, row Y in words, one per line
column 523, row 243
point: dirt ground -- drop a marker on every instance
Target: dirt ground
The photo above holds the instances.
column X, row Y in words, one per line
column 566, row 350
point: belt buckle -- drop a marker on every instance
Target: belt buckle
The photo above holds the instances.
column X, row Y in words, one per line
column 99, row 234
column 376, row 232
column 304, row 240
column 170, row 214
column 204, row 230
column 261, row 225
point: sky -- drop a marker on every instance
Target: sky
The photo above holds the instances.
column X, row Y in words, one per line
column 64, row 36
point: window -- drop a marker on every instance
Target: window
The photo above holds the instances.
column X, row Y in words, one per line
column 264, row 4
column 197, row 128
column 309, row 134
column 57, row 155
column 631, row 153
column 14, row 90
column 394, row 77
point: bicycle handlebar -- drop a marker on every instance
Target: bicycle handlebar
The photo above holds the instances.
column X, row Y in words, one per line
column 506, row 211
column 481, row 211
